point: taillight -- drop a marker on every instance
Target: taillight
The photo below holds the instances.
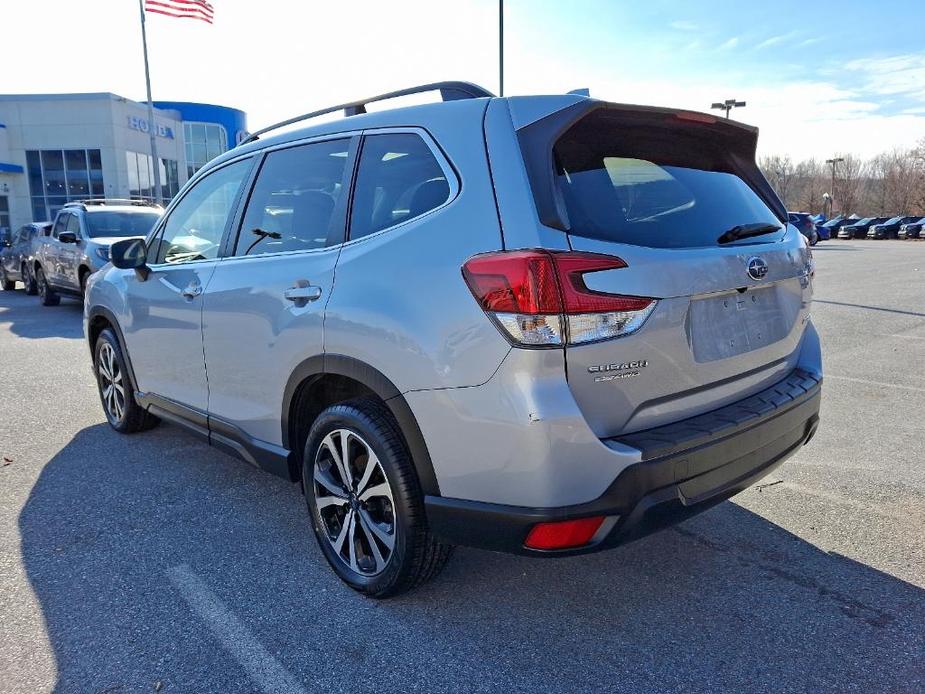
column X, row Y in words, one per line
column 539, row 298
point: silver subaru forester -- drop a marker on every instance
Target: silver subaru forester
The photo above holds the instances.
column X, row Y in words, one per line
column 545, row 325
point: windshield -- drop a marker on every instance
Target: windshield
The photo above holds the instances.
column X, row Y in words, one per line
column 894, row 220
column 833, row 222
column 111, row 223
column 644, row 185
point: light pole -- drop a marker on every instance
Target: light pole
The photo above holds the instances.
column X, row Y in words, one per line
column 833, row 162
column 727, row 105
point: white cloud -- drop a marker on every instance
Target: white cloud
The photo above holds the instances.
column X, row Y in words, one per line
column 774, row 40
column 731, row 43
column 810, row 42
column 685, row 25
column 899, row 74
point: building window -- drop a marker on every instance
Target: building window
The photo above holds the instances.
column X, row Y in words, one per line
column 141, row 176
column 4, row 212
column 58, row 176
column 204, row 142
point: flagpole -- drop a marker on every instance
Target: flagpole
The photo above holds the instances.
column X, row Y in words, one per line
column 501, row 47
column 152, row 128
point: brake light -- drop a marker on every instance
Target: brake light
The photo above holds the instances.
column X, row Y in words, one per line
column 695, row 117
column 563, row 534
column 539, row 298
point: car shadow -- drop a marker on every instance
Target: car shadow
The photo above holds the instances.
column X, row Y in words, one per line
column 726, row 601
column 26, row 316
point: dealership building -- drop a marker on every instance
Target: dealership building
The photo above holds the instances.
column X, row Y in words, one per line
column 56, row 148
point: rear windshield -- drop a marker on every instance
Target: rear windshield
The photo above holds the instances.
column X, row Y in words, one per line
column 651, row 185
column 111, row 223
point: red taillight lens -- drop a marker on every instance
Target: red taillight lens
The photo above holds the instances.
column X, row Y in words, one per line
column 563, row 534
column 537, row 295
column 577, row 298
column 515, row 282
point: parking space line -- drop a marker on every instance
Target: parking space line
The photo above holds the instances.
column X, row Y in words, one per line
column 266, row 671
column 905, row 337
column 875, row 383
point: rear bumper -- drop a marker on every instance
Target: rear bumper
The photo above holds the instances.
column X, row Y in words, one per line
column 685, row 468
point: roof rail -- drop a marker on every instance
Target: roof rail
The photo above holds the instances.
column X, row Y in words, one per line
column 449, row 91
column 97, row 202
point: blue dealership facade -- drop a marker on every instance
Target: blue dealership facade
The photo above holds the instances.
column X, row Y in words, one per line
column 57, row 148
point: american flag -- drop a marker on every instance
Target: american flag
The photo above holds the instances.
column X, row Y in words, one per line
column 185, row 9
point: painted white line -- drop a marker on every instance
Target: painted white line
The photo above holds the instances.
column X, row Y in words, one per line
column 264, row 669
column 905, row 337
column 875, row 383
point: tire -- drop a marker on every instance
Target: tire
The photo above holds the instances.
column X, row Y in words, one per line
column 29, row 281
column 116, row 394
column 84, row 274
column 7, row 285
column 47, row 295
column 814, row 239
column 387, row 508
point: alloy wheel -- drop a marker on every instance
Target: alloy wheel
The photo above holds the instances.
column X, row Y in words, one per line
column 354, row 502
column 112, row 388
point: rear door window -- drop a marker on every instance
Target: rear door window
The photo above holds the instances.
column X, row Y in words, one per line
column 292, row 206
column 652, row 185
column 399, row 178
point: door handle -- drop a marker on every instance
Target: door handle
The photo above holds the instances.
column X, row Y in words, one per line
column 192, row 291
column 303, row 292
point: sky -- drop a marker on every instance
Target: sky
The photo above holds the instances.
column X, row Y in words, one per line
column 820, row 77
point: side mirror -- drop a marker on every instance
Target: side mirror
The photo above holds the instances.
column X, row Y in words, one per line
column 130, row 254
column 67, row 237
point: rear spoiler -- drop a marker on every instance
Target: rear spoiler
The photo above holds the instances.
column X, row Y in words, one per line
column 538, row 138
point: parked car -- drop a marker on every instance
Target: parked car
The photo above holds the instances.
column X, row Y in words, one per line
column 17, row 255
column 912, row 230
column 888, row 229
column 858, row 229
column 827, row 227
column 804, row 222
column 557, row 396
column 79, row 243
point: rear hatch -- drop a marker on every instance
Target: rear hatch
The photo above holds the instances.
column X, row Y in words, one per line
column 657, row 188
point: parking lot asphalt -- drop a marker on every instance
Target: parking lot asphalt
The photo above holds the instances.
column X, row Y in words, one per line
column 154, row 563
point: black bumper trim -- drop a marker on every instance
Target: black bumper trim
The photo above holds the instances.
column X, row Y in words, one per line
column 687, row 468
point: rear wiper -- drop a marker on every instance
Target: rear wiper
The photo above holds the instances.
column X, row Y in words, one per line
column 744, row 231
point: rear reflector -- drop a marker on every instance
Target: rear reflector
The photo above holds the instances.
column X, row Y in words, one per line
column 563, row 534
column 539, row 298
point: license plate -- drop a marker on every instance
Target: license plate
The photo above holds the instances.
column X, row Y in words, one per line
column 733, row 323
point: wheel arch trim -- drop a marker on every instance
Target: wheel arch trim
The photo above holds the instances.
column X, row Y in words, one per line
column 378, row 383
column 102, row 312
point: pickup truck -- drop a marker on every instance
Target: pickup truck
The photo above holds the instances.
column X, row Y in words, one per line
column 79, row 243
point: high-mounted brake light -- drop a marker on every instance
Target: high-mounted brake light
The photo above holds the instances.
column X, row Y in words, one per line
column 695, row 117
column 539, row 298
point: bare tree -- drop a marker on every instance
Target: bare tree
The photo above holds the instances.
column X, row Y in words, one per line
column 810, row 187
column 890, row 183
column 848, row 175
column 780, row 174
